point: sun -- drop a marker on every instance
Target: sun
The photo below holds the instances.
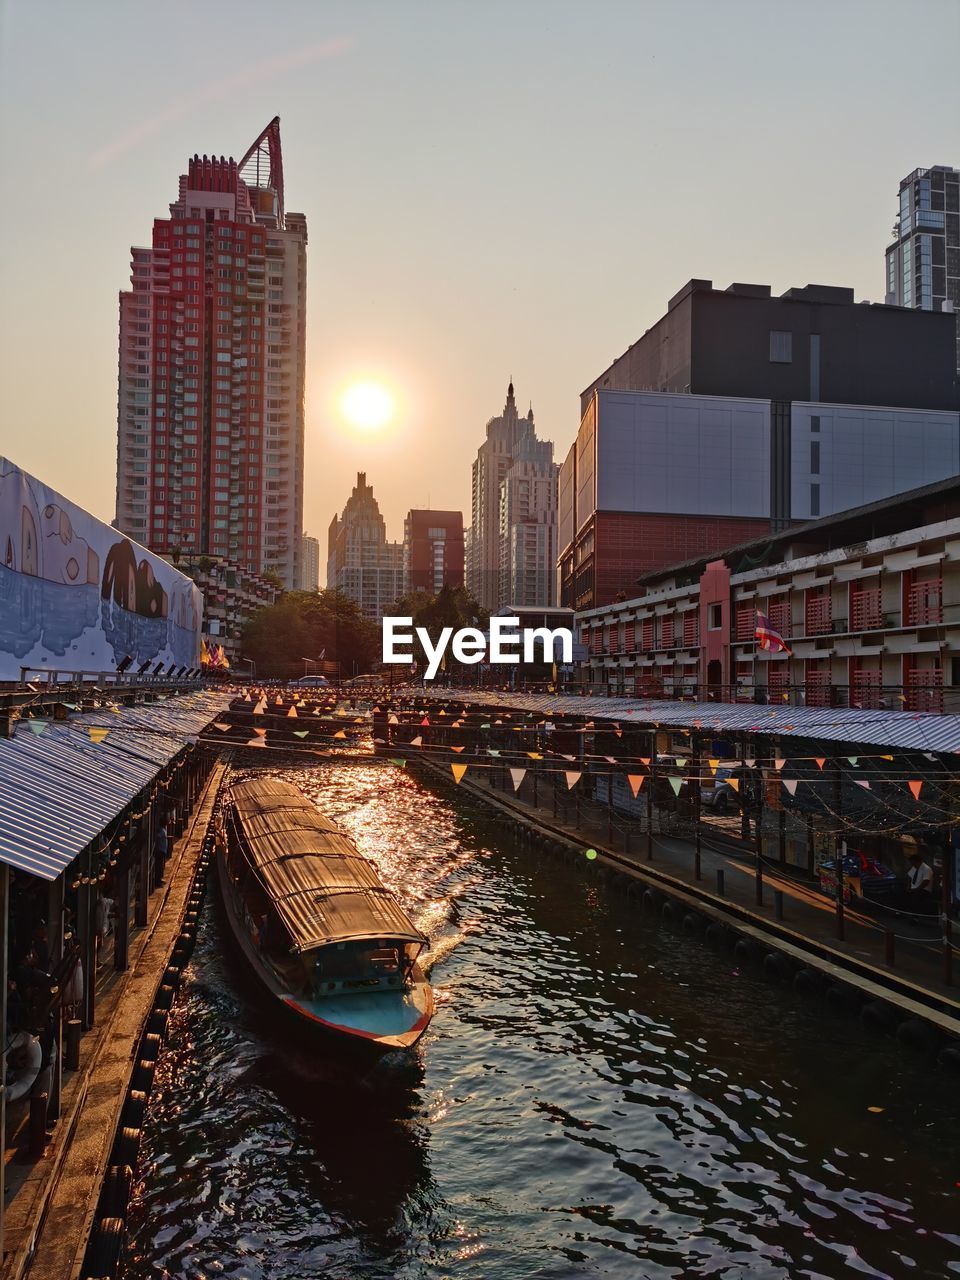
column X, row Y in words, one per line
column 368, row 406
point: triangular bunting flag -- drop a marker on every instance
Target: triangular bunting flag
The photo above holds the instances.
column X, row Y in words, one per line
column 749, row 762
column 301, row 733
column 222, row 726
column 257, row 742
column 676, row 783
column 644, row 760
column 779, row 763
column 636, row 781
column 262, row 732
column 457, row 749
column 258, row 709
column 572, row 777
column 517, row 776
column 853, row 760
column 861, row 783
column 38, row 727
column 458, row 770
column 491, row 752
column 425, row 721
column 392, row 720
column 790, row 784
column 401, row 764
column 414, row 742
column 340, row 734
column 714, row 764
column 442, row 712
column 820, row 761
column 915, row 788
column 97, row 734
column 534, row 755
column 292, row 713
column 734, row 783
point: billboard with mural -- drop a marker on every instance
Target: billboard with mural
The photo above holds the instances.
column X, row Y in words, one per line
column 76, row 595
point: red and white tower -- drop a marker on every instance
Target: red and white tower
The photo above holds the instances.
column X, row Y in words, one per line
column 212, row 346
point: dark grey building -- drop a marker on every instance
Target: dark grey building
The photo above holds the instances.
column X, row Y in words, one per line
column 810, row 344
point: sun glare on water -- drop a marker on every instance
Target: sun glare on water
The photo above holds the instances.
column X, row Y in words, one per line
column 368, row 406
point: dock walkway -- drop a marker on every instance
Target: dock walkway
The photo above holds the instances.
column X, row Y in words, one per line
column 48, row 1221
column 806, row 932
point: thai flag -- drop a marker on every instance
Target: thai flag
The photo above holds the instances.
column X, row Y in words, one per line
column 768, row 637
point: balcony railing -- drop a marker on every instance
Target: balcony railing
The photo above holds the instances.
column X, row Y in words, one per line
column 924, row 693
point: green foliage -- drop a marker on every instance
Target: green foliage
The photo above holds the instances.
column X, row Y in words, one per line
column 304, row 624
column 453, row 607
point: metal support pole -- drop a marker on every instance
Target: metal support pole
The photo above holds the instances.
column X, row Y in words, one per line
column 697, row 786
column 758, row 878
column 651, row 792
column 945, row 882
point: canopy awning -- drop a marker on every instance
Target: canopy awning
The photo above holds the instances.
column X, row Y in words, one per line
column 59, row 789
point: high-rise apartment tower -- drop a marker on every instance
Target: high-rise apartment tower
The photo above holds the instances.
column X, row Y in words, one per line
column 212, row 333
column 923, row 262
column 514, row 512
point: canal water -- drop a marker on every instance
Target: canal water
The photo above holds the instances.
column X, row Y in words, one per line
column 598, row 1095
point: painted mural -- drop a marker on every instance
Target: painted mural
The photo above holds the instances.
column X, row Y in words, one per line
column 76, row 595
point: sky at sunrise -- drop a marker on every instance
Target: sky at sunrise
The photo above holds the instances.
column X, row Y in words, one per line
column 491, row 189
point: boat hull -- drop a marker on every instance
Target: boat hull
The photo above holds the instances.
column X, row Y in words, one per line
column 366, row 1026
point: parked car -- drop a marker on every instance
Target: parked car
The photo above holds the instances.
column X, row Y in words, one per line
column 863, row 877
column 721, row 797
column 309, row 682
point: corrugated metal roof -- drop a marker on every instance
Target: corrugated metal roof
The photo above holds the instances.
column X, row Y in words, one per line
column 60, row 790
column 913, row 731
column 323, row 889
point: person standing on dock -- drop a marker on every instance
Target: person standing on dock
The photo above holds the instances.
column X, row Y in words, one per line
column 920, row 884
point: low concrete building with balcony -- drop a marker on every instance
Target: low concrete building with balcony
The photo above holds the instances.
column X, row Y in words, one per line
column 868, row 602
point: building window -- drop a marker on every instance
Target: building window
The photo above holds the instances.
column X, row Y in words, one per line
column 715, row 617
column 814, row 499
column 781, row 347
column 815, row 422
column 814, row 457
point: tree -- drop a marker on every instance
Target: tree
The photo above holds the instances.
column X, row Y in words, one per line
column 304, row 625
column 452, row 607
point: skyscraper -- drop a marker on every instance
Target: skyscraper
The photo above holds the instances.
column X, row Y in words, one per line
column 923, row 262
column 212, row 334
column 309, row 563
column 514, row 491
column 360, row 560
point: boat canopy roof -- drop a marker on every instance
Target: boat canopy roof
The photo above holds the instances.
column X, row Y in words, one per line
column 323, row 889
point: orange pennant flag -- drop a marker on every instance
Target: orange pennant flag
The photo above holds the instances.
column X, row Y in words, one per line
column 257, row 742
column 778, row 764
column 456, row 749
column 339, row 734
column 572, row 778
column 458, row 770
column 734, row 783
column 915, row 788
column 97, row 734
column 261, row 732
column 292, row 713
column 636, row 781
column 645, row 760
column 821, row 761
